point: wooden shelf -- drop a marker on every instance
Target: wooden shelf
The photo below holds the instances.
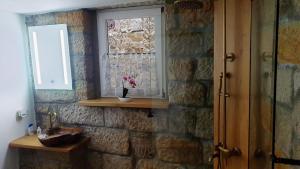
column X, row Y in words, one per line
column 134, row 103
column 32, row 142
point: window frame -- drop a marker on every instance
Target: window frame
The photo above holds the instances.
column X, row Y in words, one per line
column 128, row 13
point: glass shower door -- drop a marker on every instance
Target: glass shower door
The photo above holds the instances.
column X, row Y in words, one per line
column 275, row 59
column 287, row 115
column 261, row 93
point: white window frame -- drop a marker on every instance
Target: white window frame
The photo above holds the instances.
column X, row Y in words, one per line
column 129, row 13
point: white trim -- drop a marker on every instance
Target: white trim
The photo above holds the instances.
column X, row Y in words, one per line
column 156, row 13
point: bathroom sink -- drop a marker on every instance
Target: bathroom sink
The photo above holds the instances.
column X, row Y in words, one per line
column 61, row 136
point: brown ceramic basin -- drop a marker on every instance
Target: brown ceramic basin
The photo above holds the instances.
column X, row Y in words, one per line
column 61, row 136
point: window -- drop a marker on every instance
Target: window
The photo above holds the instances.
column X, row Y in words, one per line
column 50, row 57
column 131, row 44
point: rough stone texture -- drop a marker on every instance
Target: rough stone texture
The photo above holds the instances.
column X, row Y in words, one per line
column 109, row 140
column 182, row 120
column 187, row 93
column 186, row 43
column 204, row 124
column 142, row 145
column 80, row 44
column 285, row 85
column 73, row 18
column 186, row 20
column 288, row 42
column 75, row 114
column 154, row 164
column 30, row 159
column 47, row 96
column 116, row 162
column 204, row 68
column 189, row 33
column 43, row 19
column 182, row 69
column 208, row 148
column 179, row 150
column 95, row 160
column 290, row 9
column 85, row 90
column 134, row 119
column 128, row 138
column 84, row 68
column 283, row 131
column 296, row 79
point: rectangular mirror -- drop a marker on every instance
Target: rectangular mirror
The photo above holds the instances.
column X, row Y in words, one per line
column 50, row 57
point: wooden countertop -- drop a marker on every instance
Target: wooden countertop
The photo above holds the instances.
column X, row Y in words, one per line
column 32, row 142
column 134, row 103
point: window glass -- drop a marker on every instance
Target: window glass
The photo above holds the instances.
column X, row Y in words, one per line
column 133, row 48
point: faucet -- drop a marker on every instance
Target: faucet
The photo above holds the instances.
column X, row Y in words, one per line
column 51, row 129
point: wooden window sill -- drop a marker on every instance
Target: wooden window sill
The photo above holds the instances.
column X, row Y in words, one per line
column 134, row 103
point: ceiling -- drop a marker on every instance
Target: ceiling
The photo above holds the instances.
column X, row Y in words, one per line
column 44, row 6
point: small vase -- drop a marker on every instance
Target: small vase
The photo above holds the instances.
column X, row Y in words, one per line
column 124, row 99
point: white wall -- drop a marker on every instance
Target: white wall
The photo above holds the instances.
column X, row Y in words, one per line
column 15, row 86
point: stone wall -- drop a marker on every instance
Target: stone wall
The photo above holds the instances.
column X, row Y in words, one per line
column 123, row 138
column 288, row 82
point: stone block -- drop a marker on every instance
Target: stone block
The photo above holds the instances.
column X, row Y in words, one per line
column 285, row 85
column 85, row 90
column 284, row 131
column 73, row 18
column 138, row 120
column 116, row 162
column 296, row 79
column 288, row 43
column 178, row 150
column 155, row 164
column 185, row 19
column 296, row 151
column 109, row 140
column 296, row 6
column 81, row 44
column 204, row 69
column 75, row 114
column 210, row 95
column 296, row 119
column 182, row 43
column 187, row 93
column 77, row 29
column 30, row 159
column 42, row 19
column 115, row 117
column 42, row 107
column 135, row 119
column 54, row 95
column 83, row 67
column 95, row 160
column 204, row 124
column 142, row 145
column 182, row 120
column 208, row 150
column 181, row 69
